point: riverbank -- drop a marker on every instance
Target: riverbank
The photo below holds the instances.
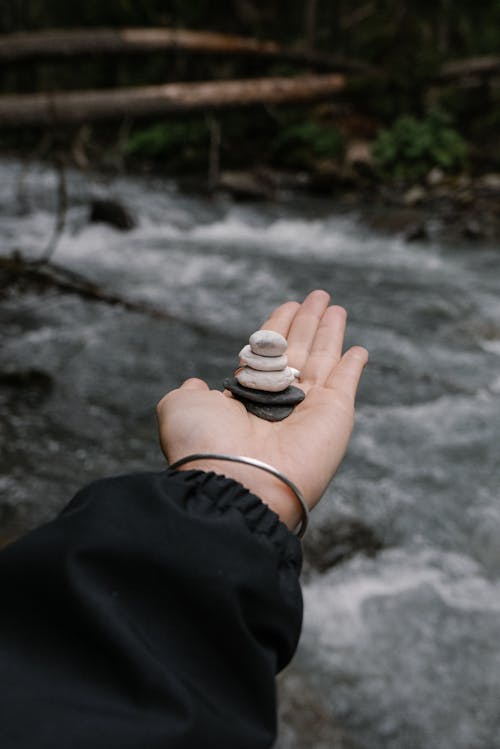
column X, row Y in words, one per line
column 440, row 208
column 417, row 178
column 461, row 209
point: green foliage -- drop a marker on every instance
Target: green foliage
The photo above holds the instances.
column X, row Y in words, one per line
column 411, row 147
column 301, row 143
column 172, row 141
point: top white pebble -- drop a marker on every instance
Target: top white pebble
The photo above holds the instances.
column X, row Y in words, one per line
column 267, row 343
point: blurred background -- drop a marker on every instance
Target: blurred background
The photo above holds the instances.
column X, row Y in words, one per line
column 170, row 171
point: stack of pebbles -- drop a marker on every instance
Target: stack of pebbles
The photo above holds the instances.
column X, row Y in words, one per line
column 263, row 383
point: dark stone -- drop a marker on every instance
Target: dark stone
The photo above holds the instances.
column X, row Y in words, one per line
column 245, row 186
column 27, row 386
column 335, row 543
column 417, row 232
column 289, row 397
column 393, row 220
column 27, row 378
column 473, row 229
column 111, row 212
column 305, row 711
column 269, row 413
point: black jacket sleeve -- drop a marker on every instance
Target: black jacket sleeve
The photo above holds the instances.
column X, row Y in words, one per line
column 154, row 612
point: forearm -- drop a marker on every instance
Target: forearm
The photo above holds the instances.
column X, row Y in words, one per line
column 156, row 608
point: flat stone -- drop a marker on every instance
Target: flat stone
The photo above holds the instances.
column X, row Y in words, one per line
column 267, row 343
column 269, row 413
column 273, row 382
column 262, row 363
column 289, row 397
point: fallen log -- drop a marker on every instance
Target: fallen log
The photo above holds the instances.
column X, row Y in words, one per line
column 48, row 109
column 64, row 43
column 50, row 275
column 55, row 43
column 481, row 67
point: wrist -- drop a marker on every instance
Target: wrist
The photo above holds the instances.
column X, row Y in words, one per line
column 270, row 489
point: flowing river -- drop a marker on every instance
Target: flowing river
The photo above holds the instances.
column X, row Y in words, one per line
column 401, row 646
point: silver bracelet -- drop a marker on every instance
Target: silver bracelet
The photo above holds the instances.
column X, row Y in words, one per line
column 257, row 464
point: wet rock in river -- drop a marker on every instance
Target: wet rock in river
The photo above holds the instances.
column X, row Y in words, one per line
column 111, row 212
column 472, row 229
column 244, row 186
column 30, row 385
column 327, row 546
column 24, row 387
column 305, row 714
column 417, row 232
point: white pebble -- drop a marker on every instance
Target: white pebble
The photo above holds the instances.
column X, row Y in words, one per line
column 267, row 343
column 295, row 372
column 262, row 363
column 273, row 382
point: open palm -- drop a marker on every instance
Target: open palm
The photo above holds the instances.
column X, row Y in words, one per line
column 309, row 445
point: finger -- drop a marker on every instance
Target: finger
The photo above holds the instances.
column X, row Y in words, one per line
column 327, row 346
column 346, row 375
column 304, row 326
column 281, row 319
column 194, row 383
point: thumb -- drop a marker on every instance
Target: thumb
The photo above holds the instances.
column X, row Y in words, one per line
column 194, row 383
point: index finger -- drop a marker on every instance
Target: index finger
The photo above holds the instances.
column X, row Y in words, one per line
column 281, row 318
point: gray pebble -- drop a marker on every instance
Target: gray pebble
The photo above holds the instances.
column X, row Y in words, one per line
column 262, row 363
column 272, row 382
column 267, row 343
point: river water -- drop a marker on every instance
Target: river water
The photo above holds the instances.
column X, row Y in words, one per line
column 400, row 650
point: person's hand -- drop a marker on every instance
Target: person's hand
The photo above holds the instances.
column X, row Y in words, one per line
column 309, row 445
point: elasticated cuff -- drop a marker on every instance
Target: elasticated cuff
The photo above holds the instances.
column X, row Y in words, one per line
column 227, row 493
